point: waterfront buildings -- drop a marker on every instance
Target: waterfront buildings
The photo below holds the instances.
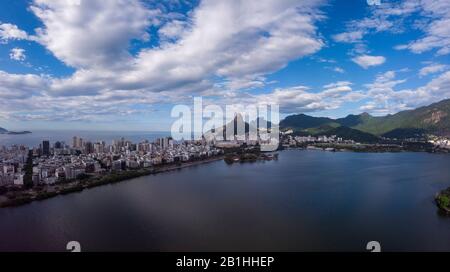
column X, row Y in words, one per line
column 289, row 140
column 441, row 142
column 12, row 162
column 62, row 163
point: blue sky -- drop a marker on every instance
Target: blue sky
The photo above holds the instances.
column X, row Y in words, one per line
column 123, row 64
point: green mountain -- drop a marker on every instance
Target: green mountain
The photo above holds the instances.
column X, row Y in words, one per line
column 302, row 121
column 405, row 133
column 354, row 120
column 231, row 126
column 432, row 119
column 307, row 125
column 259, row 123
column 352, row 134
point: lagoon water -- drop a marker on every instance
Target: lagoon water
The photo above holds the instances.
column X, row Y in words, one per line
column 305, row 201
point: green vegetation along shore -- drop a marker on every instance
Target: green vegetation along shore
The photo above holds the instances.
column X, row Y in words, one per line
column 249, row 157
column 443, row 200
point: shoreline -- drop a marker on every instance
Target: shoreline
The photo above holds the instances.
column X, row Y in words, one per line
column 32, row 195
column 49, row 191
column 365, row 148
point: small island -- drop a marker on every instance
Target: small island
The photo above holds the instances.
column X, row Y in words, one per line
column 249, row 156
column 18, row 132
column 443, row 200
column 5, row 131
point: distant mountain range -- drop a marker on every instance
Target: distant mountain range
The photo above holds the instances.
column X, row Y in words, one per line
column 433, row 119
column 365, row 128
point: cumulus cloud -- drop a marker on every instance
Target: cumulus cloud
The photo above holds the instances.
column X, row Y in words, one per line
column 91, row 33
column 253, row 40
column 386, row 17
column 391, row 17
column 383, row 86
column 221, row 49
column 436, row 33
column 234, row 43
column 12, row 32
column 387, row 98
column 173, row 29
column 279, row 31
column 367, row 61
column 236, row 40
column 337, row 88
column 303, row 99
column 17, row 54
column 432, row 69
column 20, row 86
column 349, row 37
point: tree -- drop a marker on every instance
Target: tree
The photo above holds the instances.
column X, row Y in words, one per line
column 444, row 201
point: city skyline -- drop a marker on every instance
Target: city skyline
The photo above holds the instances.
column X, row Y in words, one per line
column 63, row 66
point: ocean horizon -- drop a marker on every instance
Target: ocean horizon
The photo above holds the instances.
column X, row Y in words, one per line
column 36, row 137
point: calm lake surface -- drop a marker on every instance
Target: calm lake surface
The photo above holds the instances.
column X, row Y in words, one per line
column 305, row 201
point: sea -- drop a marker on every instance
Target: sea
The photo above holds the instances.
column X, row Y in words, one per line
column 66, row 136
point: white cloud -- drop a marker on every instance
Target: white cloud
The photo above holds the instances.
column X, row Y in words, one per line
column 302, row 99
column 437, row 89
column 17, row 54
column 92, row 34
column 383, row 86
column 432, row 69
column 339, row 70
column 349, row 37
column 367, row 61
column 387, row 17
column 230, row 42
column 235, row 43
column 20, row 86
column 437, row 32
column 11, row 32
column 173, row 29
column 392, row 17
column 437, row 37
column 337, row 88
column 219, row 48
column 385, row 98
column 254, row 39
